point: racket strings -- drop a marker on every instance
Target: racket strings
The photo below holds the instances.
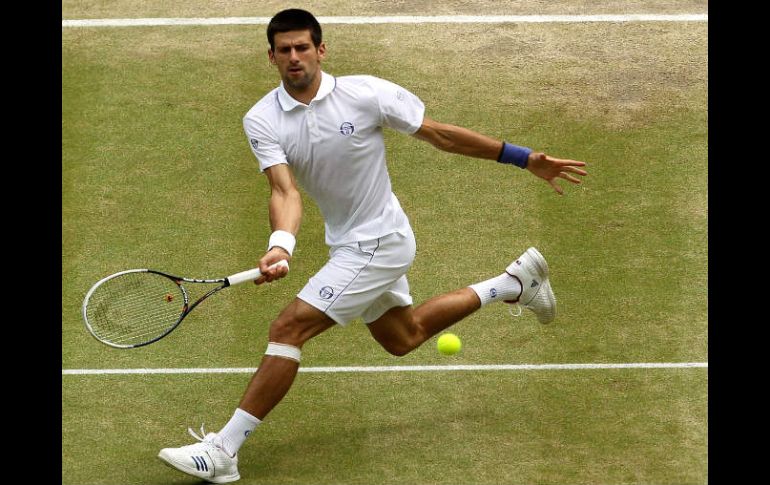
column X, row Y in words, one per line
column 135, row 308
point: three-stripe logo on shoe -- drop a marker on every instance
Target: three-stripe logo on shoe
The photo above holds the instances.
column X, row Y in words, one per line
column 200, row 463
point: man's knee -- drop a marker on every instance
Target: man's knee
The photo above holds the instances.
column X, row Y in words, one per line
column 285, row 330
column 397, row 348
column 398, row 331
column 298, row 323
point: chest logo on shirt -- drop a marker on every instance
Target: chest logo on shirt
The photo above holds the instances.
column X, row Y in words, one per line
column 347, row 128
column 254, row 143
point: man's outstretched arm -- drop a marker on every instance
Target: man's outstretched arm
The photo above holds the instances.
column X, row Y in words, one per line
column 456, row 139
column 285, row 217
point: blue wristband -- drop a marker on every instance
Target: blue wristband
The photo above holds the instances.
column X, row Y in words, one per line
column 514, row 154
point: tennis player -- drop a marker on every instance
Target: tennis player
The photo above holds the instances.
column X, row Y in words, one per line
column 325, row 133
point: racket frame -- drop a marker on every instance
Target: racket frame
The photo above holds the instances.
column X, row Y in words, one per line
column 186, row 309
column 237, row 278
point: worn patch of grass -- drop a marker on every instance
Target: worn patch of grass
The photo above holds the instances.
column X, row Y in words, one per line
column 80, row 9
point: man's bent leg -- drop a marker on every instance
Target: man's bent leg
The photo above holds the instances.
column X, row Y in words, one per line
column 215, row 458
column 297, row 323
column 402, row 329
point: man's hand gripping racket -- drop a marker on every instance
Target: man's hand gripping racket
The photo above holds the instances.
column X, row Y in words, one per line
column 137, row 307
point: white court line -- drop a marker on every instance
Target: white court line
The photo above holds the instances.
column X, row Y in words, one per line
column 401, row 19
column 397, row 368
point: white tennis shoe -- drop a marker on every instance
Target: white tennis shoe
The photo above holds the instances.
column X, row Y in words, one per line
column 536, row 294
column 204, row 460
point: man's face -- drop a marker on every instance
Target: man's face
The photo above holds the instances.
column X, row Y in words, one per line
column 298, row 60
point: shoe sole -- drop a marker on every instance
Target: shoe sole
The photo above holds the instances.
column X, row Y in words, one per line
column 541, row 266
column 224, row 479
column 552, row 298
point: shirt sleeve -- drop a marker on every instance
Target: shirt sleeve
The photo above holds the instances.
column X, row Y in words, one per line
column 263, row 142
column 399, row 108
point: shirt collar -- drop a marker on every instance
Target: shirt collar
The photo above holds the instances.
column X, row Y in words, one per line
column 288, row 103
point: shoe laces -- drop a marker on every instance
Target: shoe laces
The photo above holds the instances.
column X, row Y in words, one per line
column 202, row 438
column 518, row 307
column 208, row 440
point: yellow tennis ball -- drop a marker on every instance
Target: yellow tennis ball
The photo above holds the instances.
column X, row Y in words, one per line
column 449, row 344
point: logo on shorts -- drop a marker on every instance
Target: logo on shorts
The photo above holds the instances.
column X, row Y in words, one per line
column 492, row 292
column 326, row 292
column 254, row 143
column 347, row 128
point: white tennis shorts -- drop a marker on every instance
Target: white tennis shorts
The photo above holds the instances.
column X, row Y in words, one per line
column 363, row 279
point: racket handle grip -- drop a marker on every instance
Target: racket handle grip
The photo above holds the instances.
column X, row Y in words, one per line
column 251, row 274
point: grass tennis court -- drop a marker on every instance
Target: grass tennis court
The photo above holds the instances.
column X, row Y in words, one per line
column 156, row 172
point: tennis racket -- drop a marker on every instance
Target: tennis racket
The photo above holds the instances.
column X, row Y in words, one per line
column 137, row 307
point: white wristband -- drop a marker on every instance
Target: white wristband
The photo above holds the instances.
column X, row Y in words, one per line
column 282, row 239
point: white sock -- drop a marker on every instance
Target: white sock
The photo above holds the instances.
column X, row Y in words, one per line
column 499, row 288
column 235, row 432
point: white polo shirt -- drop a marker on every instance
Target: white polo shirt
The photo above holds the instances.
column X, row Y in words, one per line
column 336, row 150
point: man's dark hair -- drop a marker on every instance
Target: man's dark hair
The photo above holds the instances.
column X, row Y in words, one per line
column 293, row 19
